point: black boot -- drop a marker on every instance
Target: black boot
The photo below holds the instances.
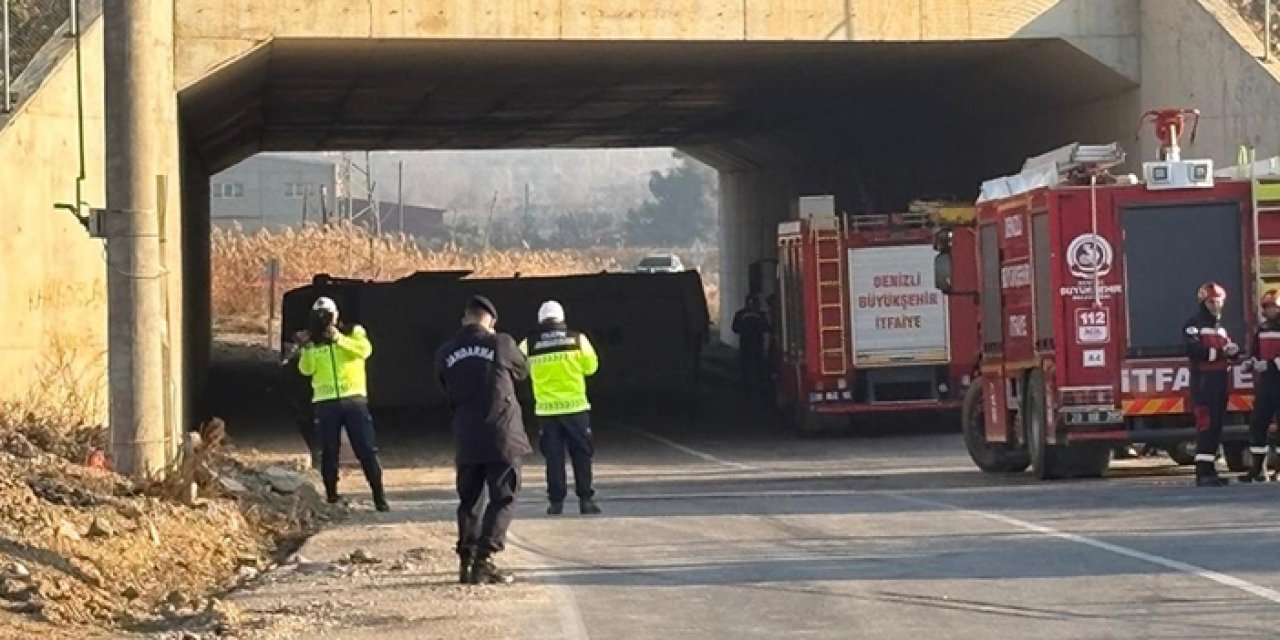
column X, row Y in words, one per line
column 1256, row 473
column 484, row 571
column 588, row 507
column 555, row 508
column 379, row 497
column 1207, row 476
column 331, row 492
column 464, row 568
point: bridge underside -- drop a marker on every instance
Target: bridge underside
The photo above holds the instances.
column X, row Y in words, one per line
column 875, row 123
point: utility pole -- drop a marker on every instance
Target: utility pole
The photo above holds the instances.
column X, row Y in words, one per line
column 375, row 207
column 324, row 204
column 6, row 104
column 528, row 222
column 138, row 122
column 1266, row 31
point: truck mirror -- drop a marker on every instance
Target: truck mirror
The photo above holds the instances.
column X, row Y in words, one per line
column 942, row 272
column 942, row 240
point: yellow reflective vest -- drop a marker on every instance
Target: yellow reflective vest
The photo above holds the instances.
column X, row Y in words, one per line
column 337, row 369
column 559, row 363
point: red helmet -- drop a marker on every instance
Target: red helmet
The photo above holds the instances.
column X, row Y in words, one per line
column 1269, row 298
column 1211, row 290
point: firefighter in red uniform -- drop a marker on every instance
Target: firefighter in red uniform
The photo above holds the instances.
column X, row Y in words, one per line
column 1211, row 351
column 1266, row 384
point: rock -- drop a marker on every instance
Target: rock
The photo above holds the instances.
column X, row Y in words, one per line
column 19, row 446
column 316, row 567
column 19, row 570
column 101, row 528
column 129, row 510
column 58, row 492
column 247, row 573
column 232, row 486
column 88, row 572
column 362, row 556
column 68, row 531
column 31, row 608
column 15, row 590
column 176, row 598
column 131, row 593
column 402, row 565
column 283, row 480
column 296, row 559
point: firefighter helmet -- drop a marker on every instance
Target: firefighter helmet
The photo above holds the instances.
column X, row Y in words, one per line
column 1211, row 290
column 1269, row 298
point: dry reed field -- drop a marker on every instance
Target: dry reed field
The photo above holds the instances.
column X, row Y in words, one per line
column 242, row 289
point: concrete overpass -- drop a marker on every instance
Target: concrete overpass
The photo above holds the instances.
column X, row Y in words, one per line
column 876, row 101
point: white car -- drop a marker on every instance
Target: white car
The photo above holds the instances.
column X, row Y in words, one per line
column 660, row 263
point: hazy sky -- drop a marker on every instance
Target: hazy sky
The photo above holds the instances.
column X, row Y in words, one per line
column 465, row 182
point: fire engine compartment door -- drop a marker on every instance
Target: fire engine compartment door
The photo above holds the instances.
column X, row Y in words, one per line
column 897, row 315
column 1169, row 251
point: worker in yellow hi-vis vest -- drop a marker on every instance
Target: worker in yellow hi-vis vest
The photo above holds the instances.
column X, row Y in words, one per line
column 333, row 356
column 560, row 361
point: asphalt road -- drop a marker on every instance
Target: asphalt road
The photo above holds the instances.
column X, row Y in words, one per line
column 718, row 525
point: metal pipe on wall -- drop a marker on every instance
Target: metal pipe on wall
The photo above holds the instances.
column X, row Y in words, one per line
column 8, row 69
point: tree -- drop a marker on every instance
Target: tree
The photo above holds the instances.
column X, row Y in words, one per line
column 584, row 230
column 683, row 208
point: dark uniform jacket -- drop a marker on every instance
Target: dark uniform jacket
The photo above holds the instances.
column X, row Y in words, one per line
column 479, row 371
column 1266, row 348
column 751, row 325
column 1205, row 339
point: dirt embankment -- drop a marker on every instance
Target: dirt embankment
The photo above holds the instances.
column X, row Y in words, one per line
column 85, row 552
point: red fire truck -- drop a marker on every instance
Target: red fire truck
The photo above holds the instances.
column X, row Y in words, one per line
column 861, row 327
column 1084, row 281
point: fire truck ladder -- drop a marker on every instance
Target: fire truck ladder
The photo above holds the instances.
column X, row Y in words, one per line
column 1266, row 226
column 828, row 243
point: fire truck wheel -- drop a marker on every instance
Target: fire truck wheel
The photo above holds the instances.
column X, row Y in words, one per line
column 810, row 424
column 1088, row 460
column 1183, row 453
column 1238, row 458
column 992, row 458
column 1048, row 462
column 1051, row 461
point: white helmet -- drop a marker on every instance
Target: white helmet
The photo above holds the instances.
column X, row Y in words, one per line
column 551, row 310
column 325, row 303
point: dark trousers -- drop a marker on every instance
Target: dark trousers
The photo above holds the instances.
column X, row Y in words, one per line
column 1209, row 405
column 1266, row 405
column 487, row 536
column 751, row 364
column 307, row 427
column 353, row 414
column 572, row 432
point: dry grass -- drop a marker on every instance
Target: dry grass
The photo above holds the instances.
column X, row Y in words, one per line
column 104, row 552
column 241, row 287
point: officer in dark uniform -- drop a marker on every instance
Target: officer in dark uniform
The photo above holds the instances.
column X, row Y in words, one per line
column 479, row 369
column 752, row 326
column 1266, row 384
column 1211, row 352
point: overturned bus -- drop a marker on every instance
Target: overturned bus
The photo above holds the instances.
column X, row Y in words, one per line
column 649, row 329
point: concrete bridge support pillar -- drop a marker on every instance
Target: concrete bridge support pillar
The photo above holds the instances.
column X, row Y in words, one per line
column 752, row 203
column 141, row 144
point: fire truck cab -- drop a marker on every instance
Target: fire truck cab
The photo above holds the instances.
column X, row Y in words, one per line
column 1084, row 281
column 860, row 327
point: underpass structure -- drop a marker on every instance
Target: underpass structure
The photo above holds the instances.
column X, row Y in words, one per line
column 874, row 101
